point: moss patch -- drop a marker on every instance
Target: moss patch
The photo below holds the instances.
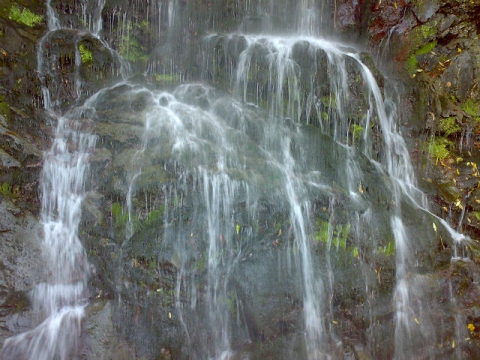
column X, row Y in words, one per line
column 449, row 126
column 411, row 64
column 471, row 107
column 425, row 49
column 85, row 54
column 428, row 30
column 24, row 16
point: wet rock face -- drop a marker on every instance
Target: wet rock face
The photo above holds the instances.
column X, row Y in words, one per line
column 143, row 271
column 20, row 267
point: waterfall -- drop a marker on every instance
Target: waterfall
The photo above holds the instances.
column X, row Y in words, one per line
column 279, row 179
column 59, row 301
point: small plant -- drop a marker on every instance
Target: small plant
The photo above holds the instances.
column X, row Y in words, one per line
column 339, row 235
column 438, row 148
column 356, row 130
column 388, row 249
column 85, row 54
column 449, row 126
column 25, row 16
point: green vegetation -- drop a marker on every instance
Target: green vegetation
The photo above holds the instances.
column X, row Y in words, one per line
column 130, row 46
column 24, row 16
column 119, row 218
column 411, row 64
column 388, row 249
column 166, row 78
column 425, row 49
column 428, row 30
column 472, row 108
column 8, row 190
column 153, row 216
column 339, row 235
column 4, row 109
column 85, row 54
column 356, row 130
column 449, row 126
column 132, row 50
column 438, row 148
column 329, row 101
column 5, row 189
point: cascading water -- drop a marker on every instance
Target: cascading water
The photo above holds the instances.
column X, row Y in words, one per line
column 59, row 301
column 264, row 199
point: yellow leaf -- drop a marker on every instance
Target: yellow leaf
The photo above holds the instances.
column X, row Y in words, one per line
column 434, row 227
column 458, row 204
column 396, row 6
column 335, row 322
column 453, row 344
column 360, row 188
column 471, row 327
column 169, row 315
column 416, row 320
column 459, row 50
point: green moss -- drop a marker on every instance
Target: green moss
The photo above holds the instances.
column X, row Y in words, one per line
column 119, row 218
column 24, row 16
column 428, row 30
column 471, row 107
column 85, row 54
column 5, row 189
column 411, row 64
column 449, row 126
column 4, row 108
column 425, row 49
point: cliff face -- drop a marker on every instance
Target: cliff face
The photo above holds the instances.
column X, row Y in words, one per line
column 431, row 47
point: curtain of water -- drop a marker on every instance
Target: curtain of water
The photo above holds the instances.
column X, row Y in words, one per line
column 223, row 170
column 59, row 301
